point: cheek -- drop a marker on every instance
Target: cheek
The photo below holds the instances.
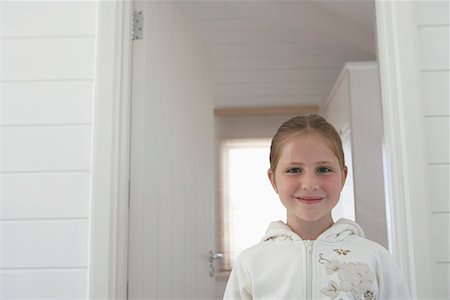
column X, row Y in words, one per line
column 285, row 184
column 332, row 185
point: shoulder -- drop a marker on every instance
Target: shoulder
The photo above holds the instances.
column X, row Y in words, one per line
column 254, row 251
column 378, row 250
column 372, row 251
column 269, row 251
column 368, row 245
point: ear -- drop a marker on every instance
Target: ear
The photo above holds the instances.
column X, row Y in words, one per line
column 272, row 180
column 344, row 175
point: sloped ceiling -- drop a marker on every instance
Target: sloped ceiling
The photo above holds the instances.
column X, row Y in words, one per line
column 275, row 53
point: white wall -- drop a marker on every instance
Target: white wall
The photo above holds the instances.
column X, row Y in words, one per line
column 413, row 40
column 433, row 38
column 47, row 69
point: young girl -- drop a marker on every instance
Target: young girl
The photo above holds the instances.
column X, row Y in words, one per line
column 311, row 256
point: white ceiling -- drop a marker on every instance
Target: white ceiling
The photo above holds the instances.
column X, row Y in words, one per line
column 277, row 52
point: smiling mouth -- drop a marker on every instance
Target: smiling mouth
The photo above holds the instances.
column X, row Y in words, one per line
column 309, row 200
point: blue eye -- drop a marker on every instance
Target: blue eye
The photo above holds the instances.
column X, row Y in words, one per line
column 323, row 170
column 293, row 170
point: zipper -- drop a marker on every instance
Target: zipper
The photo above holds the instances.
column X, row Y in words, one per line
column 308, row 247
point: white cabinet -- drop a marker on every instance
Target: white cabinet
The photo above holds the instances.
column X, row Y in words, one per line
column 354, row 108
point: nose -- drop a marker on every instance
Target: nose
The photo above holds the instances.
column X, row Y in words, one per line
column 309, row 182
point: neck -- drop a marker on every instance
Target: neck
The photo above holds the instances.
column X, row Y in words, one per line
column 309, row 230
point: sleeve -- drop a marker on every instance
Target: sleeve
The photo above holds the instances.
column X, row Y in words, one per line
column 239, row 283
column 391, row 282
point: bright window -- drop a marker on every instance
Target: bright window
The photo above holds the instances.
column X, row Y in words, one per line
column 249, row 202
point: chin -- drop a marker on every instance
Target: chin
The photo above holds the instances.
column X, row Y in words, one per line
column 309, row 217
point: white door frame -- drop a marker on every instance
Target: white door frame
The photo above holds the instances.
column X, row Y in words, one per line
column 110, row 156
column 408, row 215
column 111, row 143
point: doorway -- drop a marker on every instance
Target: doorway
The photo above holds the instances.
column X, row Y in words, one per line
column 172, row 191
column 260, row 56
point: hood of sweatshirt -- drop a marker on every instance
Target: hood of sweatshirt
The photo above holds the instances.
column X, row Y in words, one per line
column 337, row 232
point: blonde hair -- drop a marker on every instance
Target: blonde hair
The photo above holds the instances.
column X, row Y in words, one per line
column 306, row 124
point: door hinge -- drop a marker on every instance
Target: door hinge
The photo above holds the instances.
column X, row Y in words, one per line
column 137, row 27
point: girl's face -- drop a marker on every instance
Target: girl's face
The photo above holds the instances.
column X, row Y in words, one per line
column 308, row 178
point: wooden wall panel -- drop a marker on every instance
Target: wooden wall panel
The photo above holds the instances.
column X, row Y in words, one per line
column 44, row 195
column 437, row 132
column 64, row 58
column 46, row 84
column 44, row 244
column 435, row 47
column 432, row 12
column 267, row 100
column 439, row 188
column 276, row 76
column 441, row 273
column 46, row 148
column 441, row 236
column 32, row 19
column 48, row 102
column 43, row 284
column 436, row 93
column 273, row 89
column 254, row 50
column 274, row 62
column 433, row 25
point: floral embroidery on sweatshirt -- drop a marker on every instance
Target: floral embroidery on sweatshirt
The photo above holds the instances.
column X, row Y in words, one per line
column 342, row 251
column 354, row 278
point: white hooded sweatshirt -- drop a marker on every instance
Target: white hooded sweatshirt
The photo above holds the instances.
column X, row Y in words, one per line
column 340, row 264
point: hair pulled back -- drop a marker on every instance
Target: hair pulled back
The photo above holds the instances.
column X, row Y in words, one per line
column 306, row 124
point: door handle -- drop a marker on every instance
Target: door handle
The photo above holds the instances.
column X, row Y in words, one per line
column 213, row 255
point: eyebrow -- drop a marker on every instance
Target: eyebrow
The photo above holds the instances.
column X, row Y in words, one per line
column 322, row 162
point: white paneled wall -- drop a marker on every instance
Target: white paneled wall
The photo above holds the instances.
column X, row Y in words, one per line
column 46, row 84
column 433, row 35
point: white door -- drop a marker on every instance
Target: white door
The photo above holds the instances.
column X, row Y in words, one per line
column 172, row 170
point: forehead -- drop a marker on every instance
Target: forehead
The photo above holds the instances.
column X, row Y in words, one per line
column 310, row 147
